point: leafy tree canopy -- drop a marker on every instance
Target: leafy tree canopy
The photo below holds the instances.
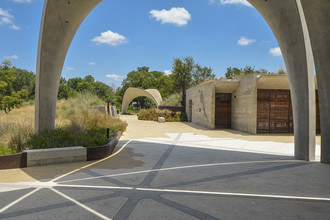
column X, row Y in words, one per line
column 9, row 97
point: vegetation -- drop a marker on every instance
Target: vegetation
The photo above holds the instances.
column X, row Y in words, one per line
column 233, row 72
column 76, row 125
column 153, row 114
column 11, row 95
column 144, row 79
column 172, row 100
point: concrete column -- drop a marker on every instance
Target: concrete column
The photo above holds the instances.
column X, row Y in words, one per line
column 317, row 14
column 286, row 19
column 60, row 21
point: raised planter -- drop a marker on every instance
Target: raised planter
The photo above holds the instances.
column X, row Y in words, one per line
column 100, row 152
column 62, row 155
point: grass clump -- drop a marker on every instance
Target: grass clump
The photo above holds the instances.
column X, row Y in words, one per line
column 153, row 114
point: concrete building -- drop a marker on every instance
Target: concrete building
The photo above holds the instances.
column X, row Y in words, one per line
column 252, row 103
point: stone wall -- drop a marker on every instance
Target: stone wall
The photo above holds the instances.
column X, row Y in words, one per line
column 203, row 104
column 244, row 105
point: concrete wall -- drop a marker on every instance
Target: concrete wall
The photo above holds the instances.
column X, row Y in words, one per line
column 244, row 105
column 203, row 104
column 42, row 157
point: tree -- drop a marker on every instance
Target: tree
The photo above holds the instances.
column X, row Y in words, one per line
column 9, row 98
column 73, row 82
column 202, row 74
column 89, row 79
column 144, row 79
column 24, row 80
column 182, row 71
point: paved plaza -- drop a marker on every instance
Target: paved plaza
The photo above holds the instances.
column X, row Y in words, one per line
column 174, row 171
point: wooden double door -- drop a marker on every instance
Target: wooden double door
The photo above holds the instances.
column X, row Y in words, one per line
column 274, row 112
column 223, row 110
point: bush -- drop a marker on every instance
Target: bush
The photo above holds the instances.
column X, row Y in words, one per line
column 6, row 151
column 153, row 114
column 88, row 129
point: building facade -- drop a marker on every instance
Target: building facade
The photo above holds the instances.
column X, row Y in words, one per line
column 252, row 103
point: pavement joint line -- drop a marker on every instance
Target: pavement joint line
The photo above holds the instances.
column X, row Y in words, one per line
column 202, row 192
column 182, row 167
column 18, row 200
column 81, row 205
column 89, row 165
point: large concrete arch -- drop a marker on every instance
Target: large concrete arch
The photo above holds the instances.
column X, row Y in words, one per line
column 61, row 19
column 132, row 93
column 318, row 20
column 60, row 22
column 286, row 20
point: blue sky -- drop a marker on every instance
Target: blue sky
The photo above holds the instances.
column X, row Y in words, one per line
column 121, row 35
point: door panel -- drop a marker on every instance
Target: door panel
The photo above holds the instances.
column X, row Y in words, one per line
column 223, row 110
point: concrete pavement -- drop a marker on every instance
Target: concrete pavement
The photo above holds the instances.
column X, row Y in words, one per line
column 175, row 175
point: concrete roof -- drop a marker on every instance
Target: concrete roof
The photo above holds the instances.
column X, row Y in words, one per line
column 273, row 82
column 226, row 86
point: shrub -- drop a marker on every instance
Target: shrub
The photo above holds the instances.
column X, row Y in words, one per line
column 6, row 151
column 153, row 114
column 87, row 130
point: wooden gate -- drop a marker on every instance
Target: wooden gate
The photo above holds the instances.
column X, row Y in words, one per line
column 223, row 110
column 274, row 109
column 274, row 112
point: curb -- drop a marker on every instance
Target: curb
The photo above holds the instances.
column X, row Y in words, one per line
column 93, row 153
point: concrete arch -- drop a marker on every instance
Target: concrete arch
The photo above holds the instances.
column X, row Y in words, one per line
column 286, row 20
column 132, row 93
column 61, row 19
column 318, row 20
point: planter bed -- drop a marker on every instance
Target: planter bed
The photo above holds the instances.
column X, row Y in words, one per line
column 23, row 160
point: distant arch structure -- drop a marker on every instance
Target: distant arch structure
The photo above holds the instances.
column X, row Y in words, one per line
column 132, row 93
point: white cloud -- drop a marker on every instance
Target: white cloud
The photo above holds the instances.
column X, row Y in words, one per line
column 15, row 27
column 92, row 63
column 115, row 77
column 177, row 16
column 7, row 19
column 110, row 38
column 22, row 1
column 245, row 41
column 14, row 57
column 70, row 68
column 276, row 51
column 231, row 2
column 168, row 72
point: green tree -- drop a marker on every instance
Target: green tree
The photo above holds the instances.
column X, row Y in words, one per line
column 24, row 80
column 73, row 82
column 89, row 79
column 144, row 79
column 9, row 98
column 84, row 87
column 202, row 74
column 182, row 71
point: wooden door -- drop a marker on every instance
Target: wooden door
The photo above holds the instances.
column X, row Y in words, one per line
column 279, row 111
column 263, row 109
column 223, row 110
